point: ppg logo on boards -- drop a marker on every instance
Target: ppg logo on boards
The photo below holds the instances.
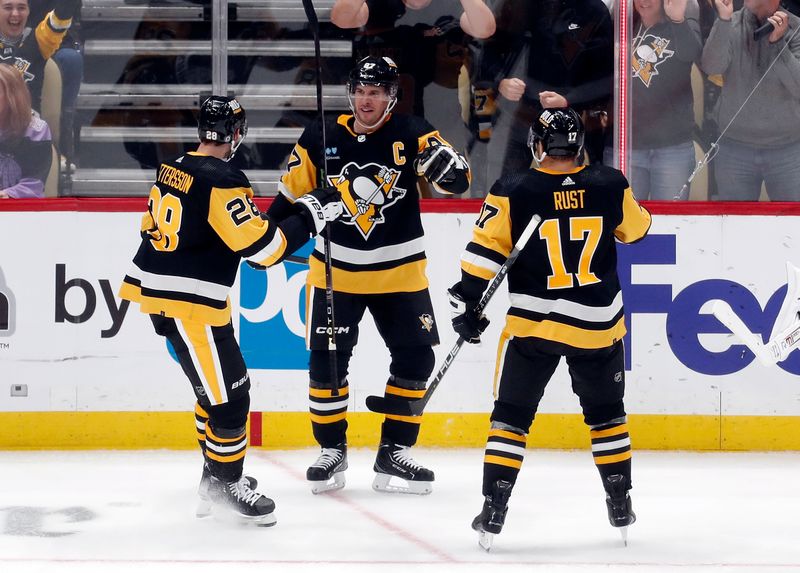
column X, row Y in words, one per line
column 685, row 323
column 7, row 308
column 271, row 323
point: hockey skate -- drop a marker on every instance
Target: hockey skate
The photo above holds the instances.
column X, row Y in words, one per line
column 204, row 504
column 238, row 499
column 491, row 518
column 327, row 473
column 620, row 507
column 395, row 461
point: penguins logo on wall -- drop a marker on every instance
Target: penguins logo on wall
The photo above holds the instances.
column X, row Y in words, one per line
column 651, row 53
column 367, row 191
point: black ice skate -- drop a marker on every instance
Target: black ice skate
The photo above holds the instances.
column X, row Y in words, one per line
column 205, row 504
column 327, row 473
column 620, row 507
column 491, row 518
column 238, row 499
column 394, row 460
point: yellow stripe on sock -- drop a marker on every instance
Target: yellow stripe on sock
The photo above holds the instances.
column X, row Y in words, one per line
column 328, row 419
column 501, row 461
column 327, row 392
column 225, row 459
column 405, row 392
column 609, row 432
column 600, row 460
column 506, row 434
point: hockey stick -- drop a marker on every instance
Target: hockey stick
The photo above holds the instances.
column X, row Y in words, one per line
column 400, row 407
column 313, row 23
column 787, row 324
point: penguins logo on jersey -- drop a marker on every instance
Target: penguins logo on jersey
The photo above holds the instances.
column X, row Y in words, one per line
column 367, row 191
column 651, row 53
column 21, row 65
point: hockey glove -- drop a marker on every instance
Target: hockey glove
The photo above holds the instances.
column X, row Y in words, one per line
column 439, row 164
column 464, row 317
column 323, row 205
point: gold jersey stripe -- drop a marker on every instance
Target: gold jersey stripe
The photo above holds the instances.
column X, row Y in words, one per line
column 501, row 461
column 616, row 431
column 477, row 271
column 405, row 392
column 178, row 309
column 226, row 459
column 601, row 460
column 328, row 392
column 506, row 434
column 410, row 276
column 328, row 419
column 565, row 334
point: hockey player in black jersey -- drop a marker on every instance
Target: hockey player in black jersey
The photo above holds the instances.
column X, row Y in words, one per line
column 374, row 158
column 200, row 222
column 565, row 301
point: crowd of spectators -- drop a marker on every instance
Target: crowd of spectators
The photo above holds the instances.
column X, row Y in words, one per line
column 496, row 64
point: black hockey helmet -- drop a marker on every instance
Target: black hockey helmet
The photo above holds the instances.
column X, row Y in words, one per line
column 560, row 130
column 220, row 117
column 375, row 71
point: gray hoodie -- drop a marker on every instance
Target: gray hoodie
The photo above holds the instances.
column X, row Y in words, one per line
column 772, row 116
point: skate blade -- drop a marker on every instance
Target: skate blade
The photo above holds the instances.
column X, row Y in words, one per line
column 383, row 483
column 623, row 531
column 336, row 482
column 485, row 540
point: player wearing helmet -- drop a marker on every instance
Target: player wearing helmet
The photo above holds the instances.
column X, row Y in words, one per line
column 374, row 158
column 200, row 223
column 565, row 301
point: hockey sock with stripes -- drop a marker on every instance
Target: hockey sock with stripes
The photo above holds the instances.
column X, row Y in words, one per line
column 200, row 420
column 611, row 448
column 328, row 414
column 225, row 451
column 402, row 430
column 505, row 450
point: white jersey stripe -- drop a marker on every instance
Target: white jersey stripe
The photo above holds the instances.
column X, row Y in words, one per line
column 385, row 254
column 479, row 261
column 269, row 249
column 568, row 307
column 184, row 285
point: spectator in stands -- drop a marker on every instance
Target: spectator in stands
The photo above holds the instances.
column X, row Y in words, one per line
column 477, row 19
column 763, row 142
column 69, row 59
column 27, row 49
column 25, row 141
column 570, row 64
column 665, row 47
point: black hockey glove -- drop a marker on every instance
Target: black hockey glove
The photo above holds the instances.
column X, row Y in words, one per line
column 439, row 164
column 323, row 205
column 464, row 317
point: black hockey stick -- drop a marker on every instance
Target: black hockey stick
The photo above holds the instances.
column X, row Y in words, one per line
column 400, row 407
column 313, row 23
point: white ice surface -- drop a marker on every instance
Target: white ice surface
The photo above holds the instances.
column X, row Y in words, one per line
column 93, row 512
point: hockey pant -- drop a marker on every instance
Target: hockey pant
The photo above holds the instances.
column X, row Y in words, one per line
column 525, row 366
column 212, row 361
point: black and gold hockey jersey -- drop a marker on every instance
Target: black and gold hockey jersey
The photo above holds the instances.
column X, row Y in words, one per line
column 32, row 51
column 564, row 286
column 377, row 245
column 201, row 221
